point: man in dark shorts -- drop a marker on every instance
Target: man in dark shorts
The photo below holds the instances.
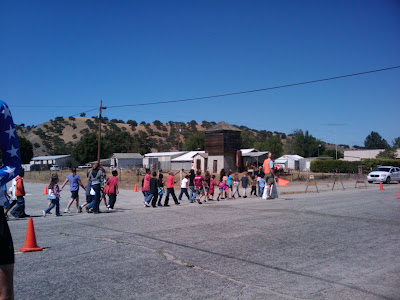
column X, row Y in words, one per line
column 11, row 167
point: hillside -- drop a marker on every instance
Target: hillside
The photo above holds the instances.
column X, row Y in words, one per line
column 59, row 136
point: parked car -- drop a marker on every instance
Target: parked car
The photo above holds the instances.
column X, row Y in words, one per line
column 55, row 168
column 87, row 166
column 384, row 174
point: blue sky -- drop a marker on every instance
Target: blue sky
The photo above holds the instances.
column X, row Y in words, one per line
column 74, row 53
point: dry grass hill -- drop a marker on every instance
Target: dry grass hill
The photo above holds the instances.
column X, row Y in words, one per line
column 59, row 136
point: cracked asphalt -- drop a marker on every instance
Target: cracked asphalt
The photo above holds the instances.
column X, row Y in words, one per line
column 331, row 245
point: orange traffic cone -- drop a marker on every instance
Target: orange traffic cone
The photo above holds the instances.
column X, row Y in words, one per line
column 380, row 186
column 135, row 189
column 398, row 197
column 30, row 240
column 45, row 190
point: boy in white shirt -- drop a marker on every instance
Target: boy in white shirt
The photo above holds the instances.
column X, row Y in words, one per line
column 184, row 188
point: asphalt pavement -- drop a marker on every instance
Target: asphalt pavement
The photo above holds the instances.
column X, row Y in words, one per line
column 341, row 244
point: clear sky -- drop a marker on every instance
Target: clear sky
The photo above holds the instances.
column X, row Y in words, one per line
column 74, row 53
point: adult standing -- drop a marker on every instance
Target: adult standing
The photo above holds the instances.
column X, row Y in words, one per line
column 74, row 183
column 96, row 178
column 269, row 173
column 11, row 167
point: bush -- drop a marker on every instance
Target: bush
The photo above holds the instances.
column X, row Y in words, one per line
column 341, row 166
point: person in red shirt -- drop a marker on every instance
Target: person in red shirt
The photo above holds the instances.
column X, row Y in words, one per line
column 19, row 210
column 198, row 184
column 112, row 184
column 170, row 189
column 146, row 189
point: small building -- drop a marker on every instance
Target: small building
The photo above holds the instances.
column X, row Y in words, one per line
column 185, row 161
column 160, row 160
column 222, row 141
column 359, row 155
column 255, row 158
column 293, row 162
column 126, row 160
column 200, row 162
column 45, row 162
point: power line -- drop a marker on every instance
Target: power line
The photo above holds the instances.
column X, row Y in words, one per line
column 257, row 90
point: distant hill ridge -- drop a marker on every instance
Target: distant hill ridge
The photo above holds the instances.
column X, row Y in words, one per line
column 58, row 135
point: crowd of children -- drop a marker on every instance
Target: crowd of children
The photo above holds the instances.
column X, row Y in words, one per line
column 202, row 189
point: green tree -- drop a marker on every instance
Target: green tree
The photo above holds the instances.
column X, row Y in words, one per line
column 26, row 149
column 396, row 142
column 303, row 144
column 194, row 142
column 375, row 141
column 389, row 153
column 272, row 144
column 332, row 153
column 86, row 149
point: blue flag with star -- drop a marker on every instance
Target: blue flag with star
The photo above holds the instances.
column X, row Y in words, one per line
column 9, row 146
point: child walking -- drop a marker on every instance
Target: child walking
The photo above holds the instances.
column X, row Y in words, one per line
column 235, row 186
column 253, row 186
column 184, row 189
column 213, row 183
column 54, row 196
column 112, row 184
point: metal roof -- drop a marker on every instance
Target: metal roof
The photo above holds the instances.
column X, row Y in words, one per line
column 288, row 156
column 244, row 151
column 156, row 154
column 50, row 157
column 254, row 154
column 187, row 156
column 127, row 155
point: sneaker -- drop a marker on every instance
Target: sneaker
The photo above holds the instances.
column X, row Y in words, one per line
column 49, row 213
column 244, row 196
column 146, row 204
column 199, row 202
column 44, row 214
column 79, row 209
column 66, row 211
column 108, row 206
column 166, row 204
column 177, row 203
column 59, row 215
column 159, row 204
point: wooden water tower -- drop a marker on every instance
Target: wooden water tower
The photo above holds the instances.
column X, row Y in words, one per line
column 221, row 144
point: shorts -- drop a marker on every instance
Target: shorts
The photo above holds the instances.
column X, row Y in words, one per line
column 199, row 191
column 207, row 189
column 74, row 194
column 269, row 178
column 6, row 243
column 221, row 189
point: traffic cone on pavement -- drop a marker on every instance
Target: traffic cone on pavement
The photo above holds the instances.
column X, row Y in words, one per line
column 380, row 186
column 45, row 190
column 135, row 189
column 30, row 240
column 398, row 197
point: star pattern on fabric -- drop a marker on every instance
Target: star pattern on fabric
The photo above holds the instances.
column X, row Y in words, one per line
column 13, row 151
column 10, row 132
column 6, row 112
column 10, row 171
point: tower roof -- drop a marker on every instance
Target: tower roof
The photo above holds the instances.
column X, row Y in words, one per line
column 222, row 126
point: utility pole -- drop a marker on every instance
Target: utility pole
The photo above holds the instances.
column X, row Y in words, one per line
column 99, row 137
column 335, row 135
